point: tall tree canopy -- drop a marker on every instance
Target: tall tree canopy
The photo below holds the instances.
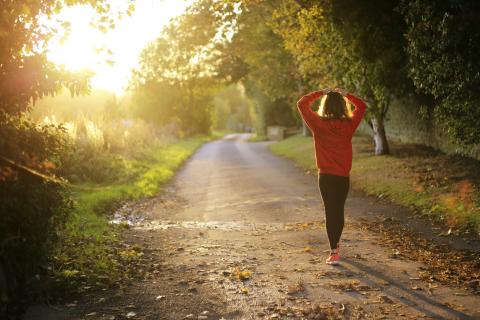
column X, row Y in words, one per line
column 352, row 44
column 177, row 77
column 25, row 72
column 272, row 79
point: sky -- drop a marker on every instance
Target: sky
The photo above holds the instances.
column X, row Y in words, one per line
column 130, row 35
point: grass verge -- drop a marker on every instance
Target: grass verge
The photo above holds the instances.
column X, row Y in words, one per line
column 89, row 252
column 258, row 138
column 441, row 186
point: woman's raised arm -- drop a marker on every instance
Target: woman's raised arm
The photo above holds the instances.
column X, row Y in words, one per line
column 311, row 118
column 360, row 108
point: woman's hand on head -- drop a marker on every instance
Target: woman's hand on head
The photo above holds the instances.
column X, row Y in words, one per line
column 326, row 90
column 310, row 97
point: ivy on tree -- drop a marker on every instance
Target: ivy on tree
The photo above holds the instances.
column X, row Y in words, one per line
column 443, row 46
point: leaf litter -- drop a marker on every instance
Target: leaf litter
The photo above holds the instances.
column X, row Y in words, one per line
column 441, row 262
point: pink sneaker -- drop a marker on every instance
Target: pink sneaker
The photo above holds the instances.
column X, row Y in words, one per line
column 334, row 257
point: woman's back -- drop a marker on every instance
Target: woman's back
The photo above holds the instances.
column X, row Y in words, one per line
column 332, row 136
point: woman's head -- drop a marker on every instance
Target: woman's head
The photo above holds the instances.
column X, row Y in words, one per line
column 334, row 106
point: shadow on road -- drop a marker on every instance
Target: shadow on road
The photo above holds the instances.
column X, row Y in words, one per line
column 408, row 296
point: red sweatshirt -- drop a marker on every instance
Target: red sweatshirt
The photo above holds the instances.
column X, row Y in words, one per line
column 332, row 138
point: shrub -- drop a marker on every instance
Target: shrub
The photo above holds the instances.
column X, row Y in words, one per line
column 33, row 205
column 443, row 48
column 98, row 150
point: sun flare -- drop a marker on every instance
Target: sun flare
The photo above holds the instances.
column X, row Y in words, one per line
column 113, row 54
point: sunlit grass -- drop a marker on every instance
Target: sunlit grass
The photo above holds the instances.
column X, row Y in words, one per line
column 396, row 178
column 297, row 148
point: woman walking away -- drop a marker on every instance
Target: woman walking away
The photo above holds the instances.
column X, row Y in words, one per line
column 332, row 128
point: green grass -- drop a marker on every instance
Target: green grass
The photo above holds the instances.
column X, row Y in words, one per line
column 405, row 178
column 217, row 134
column 155, row 170
column 298, row 149
column 257, row 138
column 89, row 250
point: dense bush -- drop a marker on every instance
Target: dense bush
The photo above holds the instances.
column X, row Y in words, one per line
column 33, row 204
column 98, row 150
column 443, row 47
column 86, row 163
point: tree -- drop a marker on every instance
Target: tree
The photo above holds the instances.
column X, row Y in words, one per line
column 269, row 73
column 176, row 78
column 232, row 109
column 25, row 73
column 443, row 47
column 356, row 45
column 229, row 38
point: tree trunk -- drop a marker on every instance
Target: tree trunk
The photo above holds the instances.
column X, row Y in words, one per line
column 3, row 284
column 379, row 136
column 306, row 130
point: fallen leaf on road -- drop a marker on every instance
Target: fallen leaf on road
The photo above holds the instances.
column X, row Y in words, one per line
column 296, row 287
column 395, row 254
column 242, row 275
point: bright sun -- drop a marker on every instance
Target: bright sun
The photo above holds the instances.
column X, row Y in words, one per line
column 113, row 54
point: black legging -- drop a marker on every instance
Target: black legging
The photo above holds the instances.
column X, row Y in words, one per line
column 334, row 190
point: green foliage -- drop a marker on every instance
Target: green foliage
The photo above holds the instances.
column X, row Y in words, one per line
column 270, row 75
column 175, row 82
column 270, row 67
column 356, row 45
column 349, row 44
column 443, row 46
column 91, row 164
column 33, row 208
column 232, row 109
column 149, row 174
column 297, row 148
column 258, row 138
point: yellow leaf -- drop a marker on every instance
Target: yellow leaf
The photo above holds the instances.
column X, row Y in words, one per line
column 242, row 274
column 25, row 9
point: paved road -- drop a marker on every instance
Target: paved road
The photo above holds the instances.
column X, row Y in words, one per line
column 242, row 236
